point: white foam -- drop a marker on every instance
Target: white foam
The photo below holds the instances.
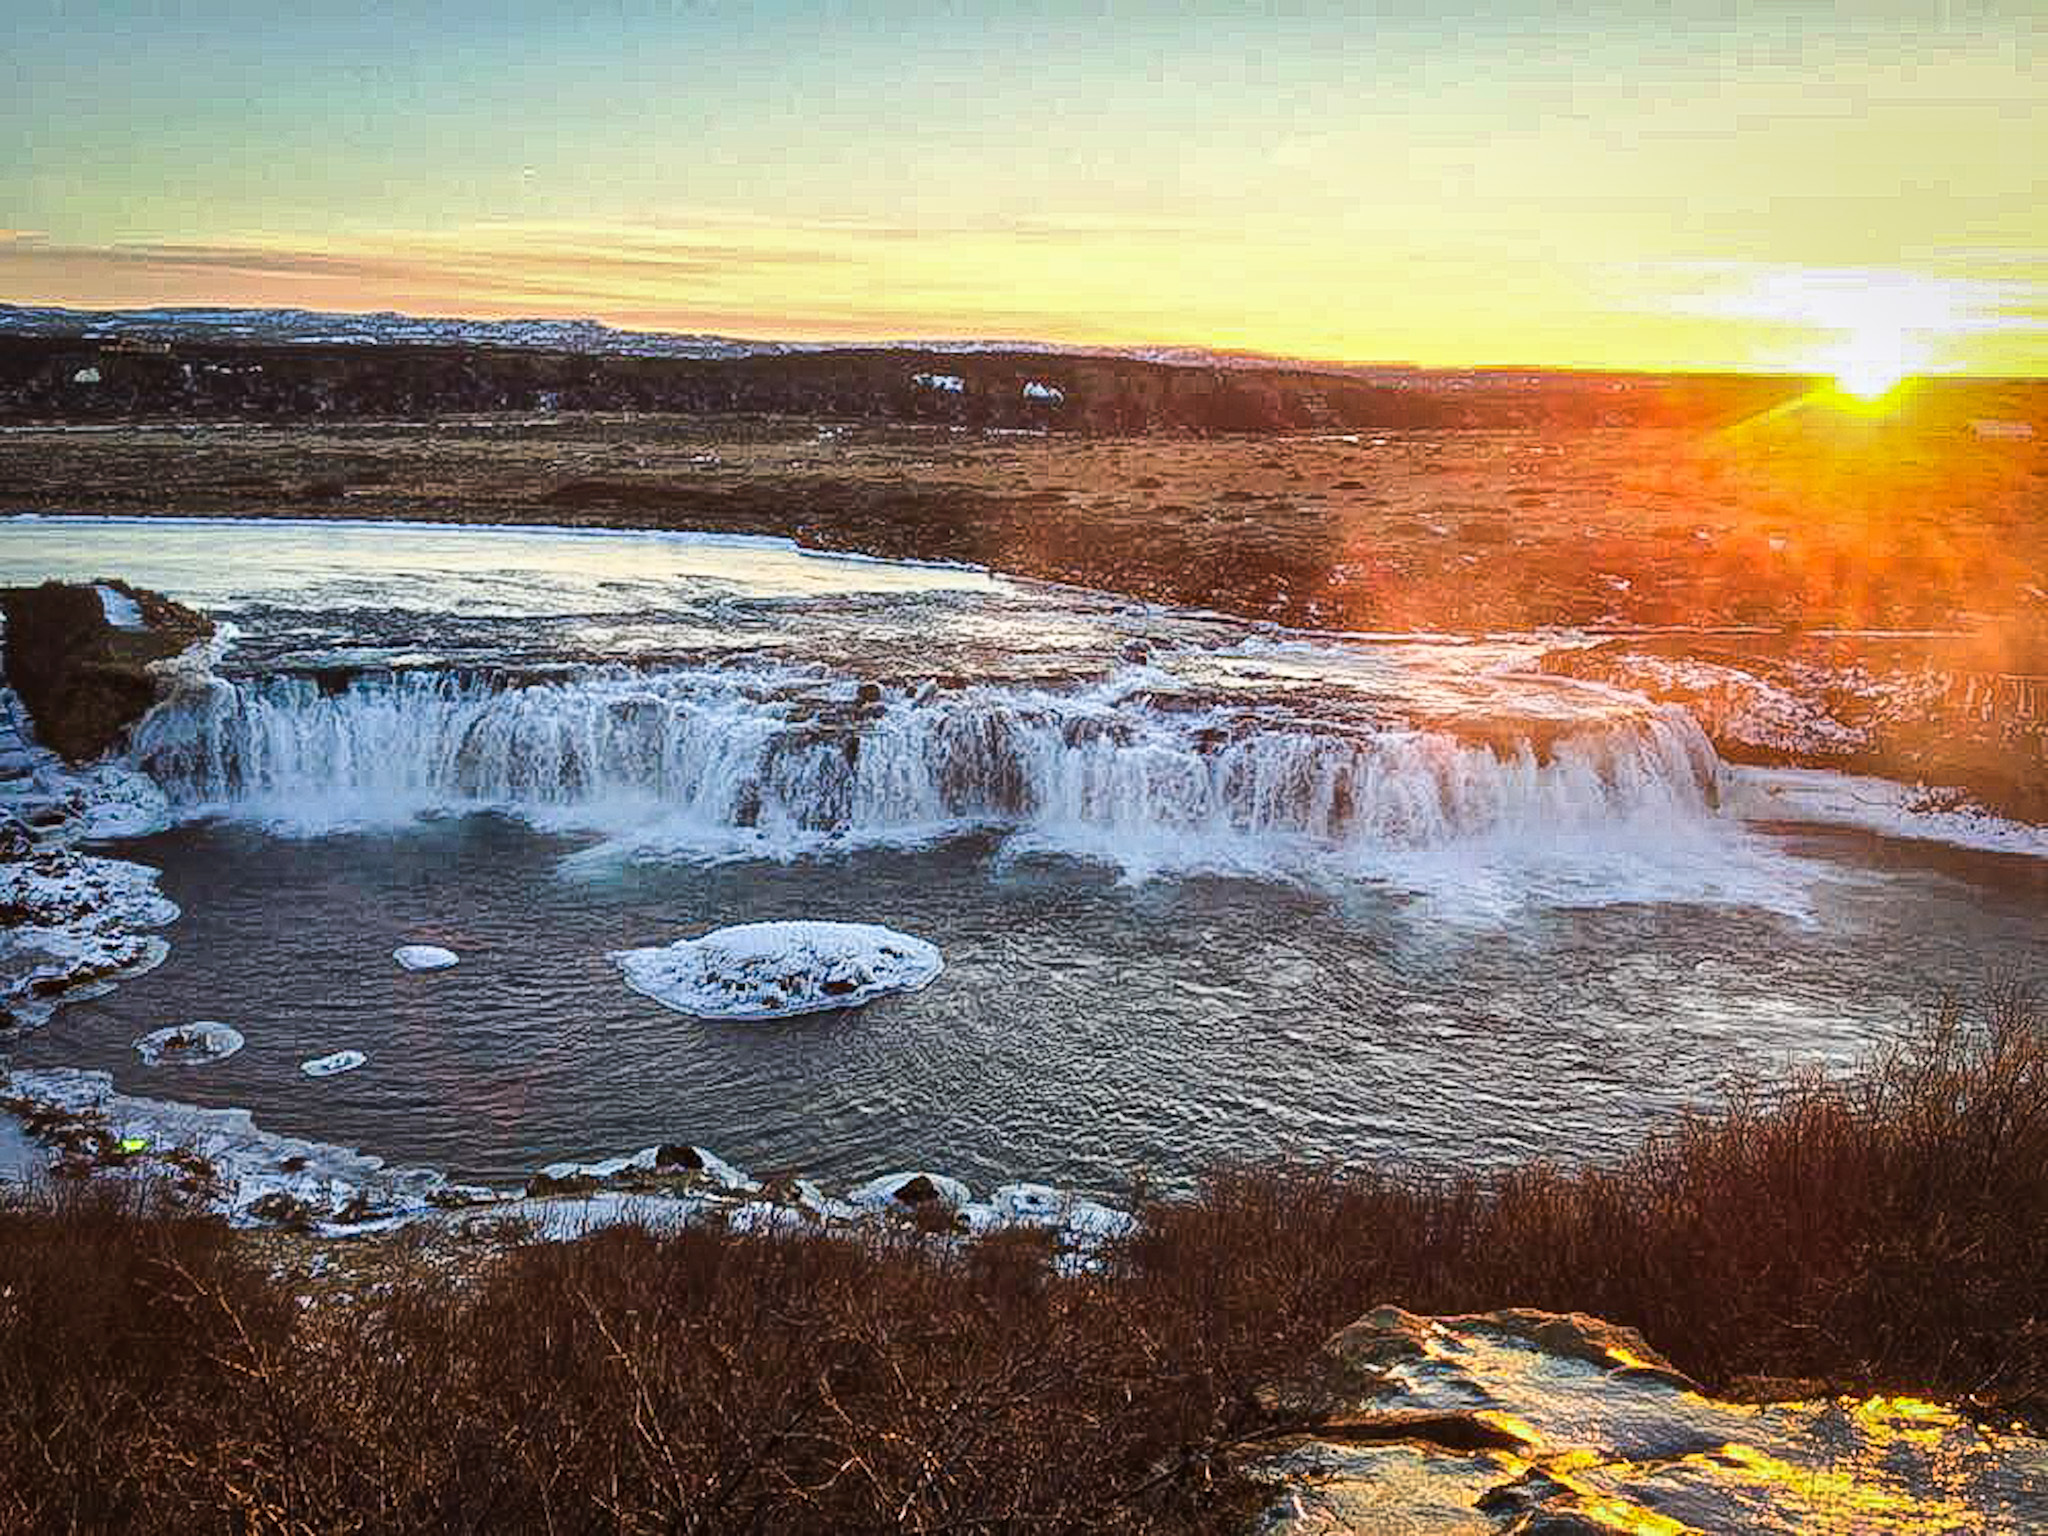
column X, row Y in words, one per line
column 189, row 1045
column 328, row 1066
column 425, row 957
column 779, row 762
column 774, row 970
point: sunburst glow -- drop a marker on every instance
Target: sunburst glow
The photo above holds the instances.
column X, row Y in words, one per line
column 1871, row 363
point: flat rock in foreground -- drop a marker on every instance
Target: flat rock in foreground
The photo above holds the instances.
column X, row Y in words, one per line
column 1520, row 1422
column 84, row 658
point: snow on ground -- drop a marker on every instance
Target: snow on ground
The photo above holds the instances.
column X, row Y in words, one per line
column 258, row 1178
column 328, row 1066
column 1733, row 705
column 1051, row 393
column 189, row 1045
column 904, row 1190
column 122, row 611
column 670, row 1158
column 947, row 383
column 1879, row 805
column 564, row 1219
column 21, row 1157
column 424, row 957
column 773, row 970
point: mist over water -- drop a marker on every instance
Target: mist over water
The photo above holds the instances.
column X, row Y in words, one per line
column 1204, row 889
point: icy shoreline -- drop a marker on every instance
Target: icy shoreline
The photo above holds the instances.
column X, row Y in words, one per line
column 72, row 1123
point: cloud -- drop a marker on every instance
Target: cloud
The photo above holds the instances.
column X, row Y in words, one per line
column 822, row 279
column 1843, row 299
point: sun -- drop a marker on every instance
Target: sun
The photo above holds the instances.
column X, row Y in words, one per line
column 1873, row 361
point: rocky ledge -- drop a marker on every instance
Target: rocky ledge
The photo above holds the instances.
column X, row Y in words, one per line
column 87, row 660
column 1966, row 718
column 1517, row 1423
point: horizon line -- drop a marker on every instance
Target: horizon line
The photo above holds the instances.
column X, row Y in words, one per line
column 1278, row 361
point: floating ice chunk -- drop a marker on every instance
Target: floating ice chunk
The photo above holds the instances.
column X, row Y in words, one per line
column 122, row 611
column 772, row 970
column 424, row 957
column 949, row 383
column 327, row 1066
column 188, row 1045
column 910, row 1190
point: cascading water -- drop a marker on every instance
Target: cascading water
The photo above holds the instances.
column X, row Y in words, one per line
column 783, row 761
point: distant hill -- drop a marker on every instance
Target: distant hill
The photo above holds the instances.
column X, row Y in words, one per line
column 290, row 365
column 306, row 327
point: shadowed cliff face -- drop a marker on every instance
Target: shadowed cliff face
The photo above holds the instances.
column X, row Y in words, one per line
column 1529, row 1422
column 80, row 657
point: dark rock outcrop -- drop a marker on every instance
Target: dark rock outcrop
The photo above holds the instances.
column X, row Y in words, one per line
column 83, row 679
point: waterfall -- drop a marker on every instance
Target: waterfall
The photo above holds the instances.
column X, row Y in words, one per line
column 784, row 761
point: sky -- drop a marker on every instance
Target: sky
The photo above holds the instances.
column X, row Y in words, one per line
column 1615, row 184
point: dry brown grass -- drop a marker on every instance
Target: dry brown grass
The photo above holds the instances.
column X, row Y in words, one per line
column 1889, row 1232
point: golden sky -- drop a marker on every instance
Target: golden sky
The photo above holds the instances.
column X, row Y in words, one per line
column 1634, row 185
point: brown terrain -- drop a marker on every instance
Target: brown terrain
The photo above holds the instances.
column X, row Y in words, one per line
column 1803, row 518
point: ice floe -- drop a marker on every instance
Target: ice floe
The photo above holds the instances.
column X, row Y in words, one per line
column 773, row 970
column 189, row 1045
column 424, row 957
column 73, row 927
column 328, row 1066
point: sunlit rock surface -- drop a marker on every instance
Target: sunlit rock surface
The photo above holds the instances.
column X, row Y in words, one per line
column 1526, row 1422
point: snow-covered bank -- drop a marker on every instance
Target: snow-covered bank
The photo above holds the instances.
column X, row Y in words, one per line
column 253, row 1176
column 1877, row 805
column 62, row 1120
